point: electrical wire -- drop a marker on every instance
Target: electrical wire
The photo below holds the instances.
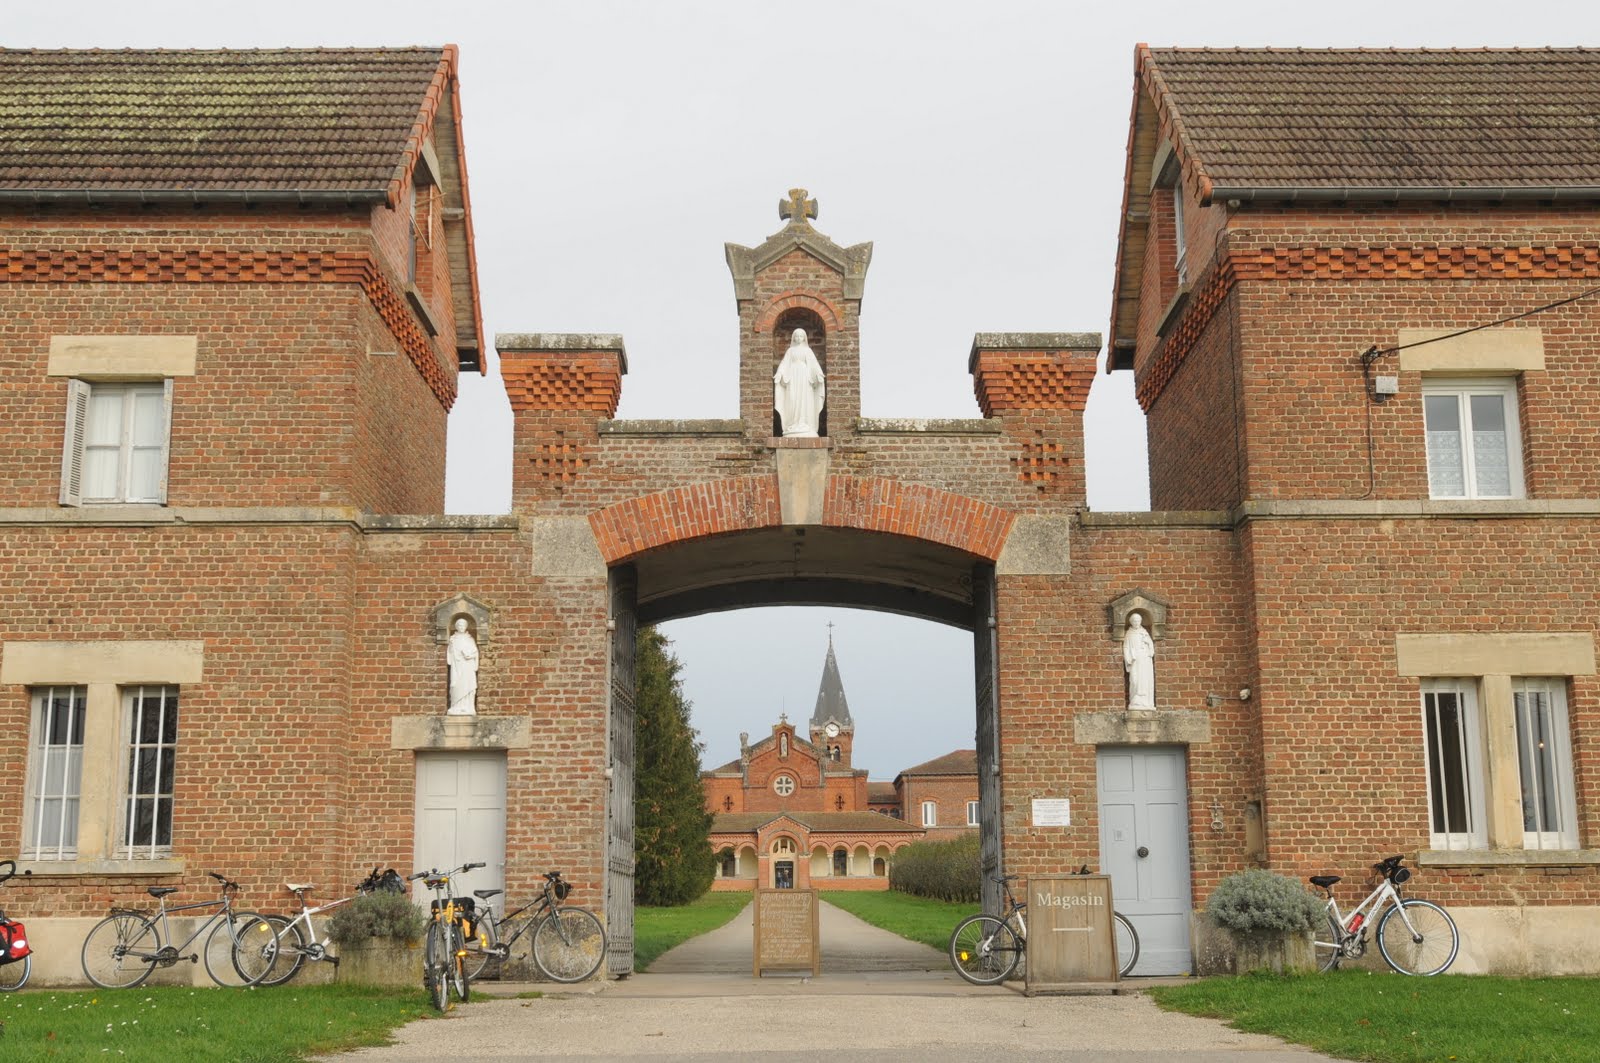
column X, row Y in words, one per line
column 1376, row 352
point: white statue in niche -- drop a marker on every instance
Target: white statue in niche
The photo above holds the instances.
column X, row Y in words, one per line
column 797, row 389
column 462, row 656
column 1139, row 660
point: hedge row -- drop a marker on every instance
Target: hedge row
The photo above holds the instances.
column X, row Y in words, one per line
column 945, row 871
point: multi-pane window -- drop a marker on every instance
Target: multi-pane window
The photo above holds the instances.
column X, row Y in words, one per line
column 116, row 449
column 972, row 813
column 57, row 774
column 152, row 715
column 1473, row 442
column 1453, row 737
column 1544, row 762
column 930, row 814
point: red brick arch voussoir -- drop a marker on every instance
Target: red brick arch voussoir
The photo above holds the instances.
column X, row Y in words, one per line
column 750, row 503
column 791, row 299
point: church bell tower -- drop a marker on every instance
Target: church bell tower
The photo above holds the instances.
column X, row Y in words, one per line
column 832, row 729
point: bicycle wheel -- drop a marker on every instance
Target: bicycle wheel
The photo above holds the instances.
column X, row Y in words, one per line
column 14, row 975
column 1127, row 940
column 984, row 949
column 569, row 945
column 271, row 950
column 120, row 951
column 1329, row 945
column 1427, row 947
column 480, row 954
column 460, row 984
column 221, row 951
column 435, row 973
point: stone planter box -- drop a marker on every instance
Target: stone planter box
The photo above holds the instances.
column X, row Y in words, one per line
column 1218, row 950
column 381, row 961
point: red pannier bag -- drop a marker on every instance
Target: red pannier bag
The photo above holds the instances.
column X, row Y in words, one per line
column 13, row 940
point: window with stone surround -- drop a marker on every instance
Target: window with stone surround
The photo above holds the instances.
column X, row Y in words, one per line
column 116, row 443
column 1474, row 444
column 930, row 813
column 141, row 785
column 1471, row 806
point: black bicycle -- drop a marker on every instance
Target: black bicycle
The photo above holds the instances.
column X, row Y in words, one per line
column 569, row 944
column 986, row 949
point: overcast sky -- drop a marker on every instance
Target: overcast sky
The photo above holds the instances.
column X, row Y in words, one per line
column 614, row 147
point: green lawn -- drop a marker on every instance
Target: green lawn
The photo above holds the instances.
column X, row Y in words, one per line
column 916, row 918
column 168, row 1024
column 655, row 930
column 1388, row 1017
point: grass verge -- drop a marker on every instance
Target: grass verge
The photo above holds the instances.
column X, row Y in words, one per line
column 655, row 930
column 1381, row 1016
column 197, row 1025
column 914, row 918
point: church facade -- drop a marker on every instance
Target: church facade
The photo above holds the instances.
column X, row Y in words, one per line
column 792, row 812
column 228, row 591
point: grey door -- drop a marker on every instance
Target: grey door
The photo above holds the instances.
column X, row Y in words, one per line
column 619, row 800
column 1144, row 847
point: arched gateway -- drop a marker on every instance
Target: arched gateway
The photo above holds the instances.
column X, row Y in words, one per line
column 958, row 521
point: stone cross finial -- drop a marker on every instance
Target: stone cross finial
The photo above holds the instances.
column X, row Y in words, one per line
column 797, row 208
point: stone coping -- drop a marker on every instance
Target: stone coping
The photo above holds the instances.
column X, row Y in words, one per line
column 1508, row 858
column 668, row 427
column 929, row 426
column 145, row 516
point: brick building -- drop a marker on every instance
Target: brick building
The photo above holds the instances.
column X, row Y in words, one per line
column 240, row 295
column 791, row 812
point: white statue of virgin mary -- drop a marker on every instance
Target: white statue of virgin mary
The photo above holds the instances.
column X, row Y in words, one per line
column 797, row 388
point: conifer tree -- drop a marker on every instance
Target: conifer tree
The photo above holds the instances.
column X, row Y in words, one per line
column 673, row 863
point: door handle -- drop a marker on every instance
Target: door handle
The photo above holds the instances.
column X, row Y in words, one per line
column 1143, row 852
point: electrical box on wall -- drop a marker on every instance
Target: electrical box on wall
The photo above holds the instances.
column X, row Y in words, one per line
column 1386, row 385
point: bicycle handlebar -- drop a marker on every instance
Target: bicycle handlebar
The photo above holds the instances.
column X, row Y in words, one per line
column 227, row 883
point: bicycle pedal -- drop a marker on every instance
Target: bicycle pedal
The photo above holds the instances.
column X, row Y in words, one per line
column 335, row 961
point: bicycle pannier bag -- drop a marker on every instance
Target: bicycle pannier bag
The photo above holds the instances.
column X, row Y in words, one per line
column 13, row 941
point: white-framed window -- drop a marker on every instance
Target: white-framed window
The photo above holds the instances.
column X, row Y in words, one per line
column 55, row 773
column 1474, row 443
column 151, row 727
column 972, row 813
column 1453, row 738
column 1544, row 764
column 784, row 847
column 783, row 785
column 118, row 436
column 930, row 813
column 1180, row 236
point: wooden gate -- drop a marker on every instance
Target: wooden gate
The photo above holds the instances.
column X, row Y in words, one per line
column 986, row 671
column 619, row 798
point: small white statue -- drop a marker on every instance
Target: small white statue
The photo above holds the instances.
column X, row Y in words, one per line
column 797, row 389
column 462, row 656
column 1139, row 660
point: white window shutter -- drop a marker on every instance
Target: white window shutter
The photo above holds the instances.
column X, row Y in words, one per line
column 166, row 438
column 72, row 452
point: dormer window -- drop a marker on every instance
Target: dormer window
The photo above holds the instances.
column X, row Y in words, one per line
column 1180, row 236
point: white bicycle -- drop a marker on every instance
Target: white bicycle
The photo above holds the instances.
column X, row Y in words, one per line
column 1414, row 936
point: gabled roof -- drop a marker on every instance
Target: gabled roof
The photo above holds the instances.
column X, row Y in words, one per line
column 878, row 792
column 1353, row 125
column 960, row 762
column 294, row 125
column 1254, row 122
column 850, row 262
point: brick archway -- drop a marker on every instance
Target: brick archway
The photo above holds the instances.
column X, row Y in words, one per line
column 872, row 503
column 791, row 299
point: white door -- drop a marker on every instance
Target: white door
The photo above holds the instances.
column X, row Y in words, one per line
column 1144, row 847
column 461, row 818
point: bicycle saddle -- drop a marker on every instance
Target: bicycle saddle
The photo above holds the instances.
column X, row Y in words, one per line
column 486, row 894
column 161, row 891
column 296, row 887
column 1324, row 880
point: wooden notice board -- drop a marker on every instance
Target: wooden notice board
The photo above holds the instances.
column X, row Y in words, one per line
column 786, row 931
column 1070, row 938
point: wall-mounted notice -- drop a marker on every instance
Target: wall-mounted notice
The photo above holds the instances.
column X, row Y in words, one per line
column 1052, row 812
